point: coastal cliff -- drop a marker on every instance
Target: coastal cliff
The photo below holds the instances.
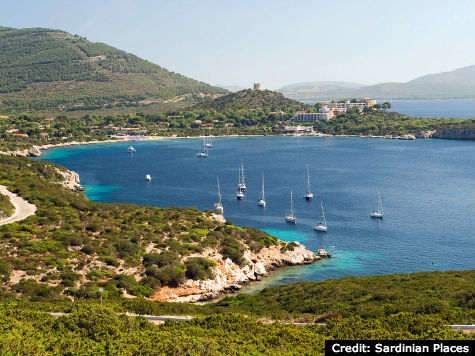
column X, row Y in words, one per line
column 70, row 180
column 229, row 277
column 33, row 151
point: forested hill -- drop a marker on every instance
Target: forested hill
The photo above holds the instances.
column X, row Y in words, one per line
column 252, row 99
column 43, row 69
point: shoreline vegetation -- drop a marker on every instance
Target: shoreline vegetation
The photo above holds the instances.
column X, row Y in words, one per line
column 418, row 306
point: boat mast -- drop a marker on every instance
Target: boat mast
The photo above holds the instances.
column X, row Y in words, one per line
column 242, row 172
column 308, row 180
column 380, row 205
column 323, row 214
column 291, row 204
column 262, row 195
column 219, row 191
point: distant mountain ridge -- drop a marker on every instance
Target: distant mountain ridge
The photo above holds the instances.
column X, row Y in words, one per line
column 459, row 83
column 44, row 69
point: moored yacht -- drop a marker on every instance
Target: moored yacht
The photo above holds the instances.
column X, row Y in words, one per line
column 378, row 213
column 262, row 200
column 239, row 194
column 219, row 205
column 131, row 149
column 148, row 177
column 290, row 217
column 309, row 194
column 321, row 226
column 203, row 153
column 241, row 183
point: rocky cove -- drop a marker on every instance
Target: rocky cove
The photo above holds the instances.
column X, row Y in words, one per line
column 229, row 277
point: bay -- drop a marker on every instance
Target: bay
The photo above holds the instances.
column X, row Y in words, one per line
column 426, row 186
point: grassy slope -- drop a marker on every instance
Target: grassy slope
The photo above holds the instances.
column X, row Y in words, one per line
column 43, row 69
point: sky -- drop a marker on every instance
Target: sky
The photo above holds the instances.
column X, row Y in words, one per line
column 274, row 42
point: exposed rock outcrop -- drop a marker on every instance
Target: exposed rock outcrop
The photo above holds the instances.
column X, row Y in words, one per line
column 448, row 134
column 33, row 151
column 228, row 276
column 71, row 180
column 455, row 134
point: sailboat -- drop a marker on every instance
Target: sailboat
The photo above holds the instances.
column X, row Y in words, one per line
column 262, row 200
column 321, row 226
column 242, row 183
column 207, row 141
column 131, row 149
column 203, row 153
column 148, row 177
column 290, row 218
column 239, row 194
column 240, row 191
column 219, row 205
column 309, row 194
column 378, row 213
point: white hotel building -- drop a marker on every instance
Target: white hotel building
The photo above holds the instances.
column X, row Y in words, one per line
column 329, row 110
column 302, row 116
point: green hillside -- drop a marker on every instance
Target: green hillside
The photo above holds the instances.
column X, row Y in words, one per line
column 252, row 99
column 43, row 69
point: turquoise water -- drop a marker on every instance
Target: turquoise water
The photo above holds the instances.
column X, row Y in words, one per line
column 426, row 186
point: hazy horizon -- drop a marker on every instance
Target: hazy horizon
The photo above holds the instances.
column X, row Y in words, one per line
column 272, row 42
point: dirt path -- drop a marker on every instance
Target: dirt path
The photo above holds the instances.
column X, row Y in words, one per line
column 23, row 209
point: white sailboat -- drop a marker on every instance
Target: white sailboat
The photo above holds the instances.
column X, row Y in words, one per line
column 290, row 217
column 242, row 183
column 219, row 205
column 321, row 226
column 131, row 149
column 148, row 177
column 207, row 141
column 309, row 194
column 262, row 200
column 203, row 153
column 239, row 192
column 378, row 213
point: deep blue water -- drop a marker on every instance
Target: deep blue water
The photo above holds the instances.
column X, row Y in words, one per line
column 427, row 191
column 446, row 108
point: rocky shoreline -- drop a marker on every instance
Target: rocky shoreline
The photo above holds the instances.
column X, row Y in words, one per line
column 229, row 277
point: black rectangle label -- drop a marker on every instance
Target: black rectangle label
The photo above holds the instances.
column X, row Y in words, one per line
column 399, row 347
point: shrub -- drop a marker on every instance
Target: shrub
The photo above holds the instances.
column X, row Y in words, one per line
column 142, row 291
column 199, row 268
column 109, row 260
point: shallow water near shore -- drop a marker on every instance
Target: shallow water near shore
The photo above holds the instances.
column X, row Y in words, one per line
column 426, row 186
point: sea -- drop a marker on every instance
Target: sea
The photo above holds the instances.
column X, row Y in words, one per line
column 426, row 188
column 438, row 108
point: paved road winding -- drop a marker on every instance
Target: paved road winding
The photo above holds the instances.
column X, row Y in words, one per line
column 23, row 209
